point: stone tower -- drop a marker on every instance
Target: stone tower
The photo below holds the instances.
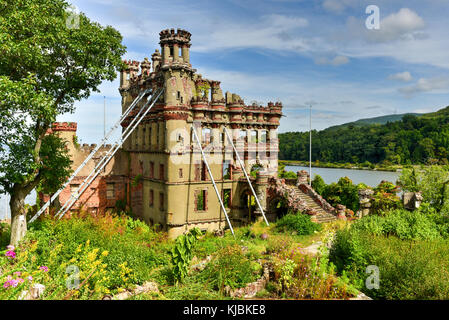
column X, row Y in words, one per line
column 172, row 187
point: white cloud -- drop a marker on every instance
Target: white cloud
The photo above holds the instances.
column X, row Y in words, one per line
column 274, row 32
column 437, row 84
column 285, row 22
column 401, row 25
column 333, row 6
column 337, row 6
column 337, row 61
column 401, row 76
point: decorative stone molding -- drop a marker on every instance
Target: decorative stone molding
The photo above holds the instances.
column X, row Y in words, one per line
column 64, row 126
column 303, row 177
column 365, row 196
column 412, row 200
column 341, row 212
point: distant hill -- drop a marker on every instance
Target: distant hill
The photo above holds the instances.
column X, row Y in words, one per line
column 440, row 113
column 375, row 120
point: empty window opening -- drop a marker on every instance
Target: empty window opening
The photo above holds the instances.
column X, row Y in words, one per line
column 74, row 189
column 161, row 201
column 206, row 135
column 161, row 172
column 151, row 198
column 201, row 200
column 226, row 170
column 227, row 198
column 243, row 135
column 254, row 136
column 110, row 191
column 263, row 136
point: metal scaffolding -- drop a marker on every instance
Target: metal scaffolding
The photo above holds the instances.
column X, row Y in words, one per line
column 212, row 179
column 108, row 156
column 246, row 175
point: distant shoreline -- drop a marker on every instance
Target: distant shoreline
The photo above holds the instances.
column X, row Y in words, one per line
column 396, row 168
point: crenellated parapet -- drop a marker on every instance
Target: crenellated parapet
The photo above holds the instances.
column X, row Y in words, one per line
column 171, row 41
column 88, row 148
column 168, row 36
column 64, row 126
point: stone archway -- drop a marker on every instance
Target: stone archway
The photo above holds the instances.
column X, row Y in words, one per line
column 277, row 207
column 248, row 205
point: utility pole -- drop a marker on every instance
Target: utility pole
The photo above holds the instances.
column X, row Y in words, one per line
column 310, row 147
column 104, row 117
column 6, row 207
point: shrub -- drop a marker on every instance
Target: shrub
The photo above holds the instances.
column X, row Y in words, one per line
column 404, row 224
column 181, row 253
column 5, row 234
column 131, row 245
column 299, row 223
column 277, row 244
column 282, row 173
column 318, row 184
column 385, row 198
column 343, row 192
column 230, row 267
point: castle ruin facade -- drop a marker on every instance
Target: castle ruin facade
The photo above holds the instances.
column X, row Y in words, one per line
column 160, row 173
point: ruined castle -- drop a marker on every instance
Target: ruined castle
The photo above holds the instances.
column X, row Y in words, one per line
column 159, row 173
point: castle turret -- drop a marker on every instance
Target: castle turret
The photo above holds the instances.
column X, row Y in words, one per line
column 156, row 58
column 67, row 132
column 145, row 65
column 170, row 42
column 124, row 76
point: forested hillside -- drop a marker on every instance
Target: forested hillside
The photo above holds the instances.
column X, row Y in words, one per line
column 412, row 140
column 375, row 120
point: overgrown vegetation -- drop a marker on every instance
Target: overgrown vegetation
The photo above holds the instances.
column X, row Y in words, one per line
column 343, row 192
column 231, row 267
column 114, row 252
column 410, row 249
column 298, row 223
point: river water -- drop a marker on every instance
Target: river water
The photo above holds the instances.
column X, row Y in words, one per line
column 368, row 177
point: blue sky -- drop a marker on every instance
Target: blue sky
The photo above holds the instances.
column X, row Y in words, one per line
column 296, row 51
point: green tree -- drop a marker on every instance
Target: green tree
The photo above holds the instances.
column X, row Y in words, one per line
column 282, row 173
column 343, row 192
column 318, row 184
column 46, row 64
column 432, row 181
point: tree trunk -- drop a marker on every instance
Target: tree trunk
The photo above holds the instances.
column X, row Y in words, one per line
column 18, row 218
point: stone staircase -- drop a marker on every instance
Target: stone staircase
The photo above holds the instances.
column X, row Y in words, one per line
column 322, row 216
